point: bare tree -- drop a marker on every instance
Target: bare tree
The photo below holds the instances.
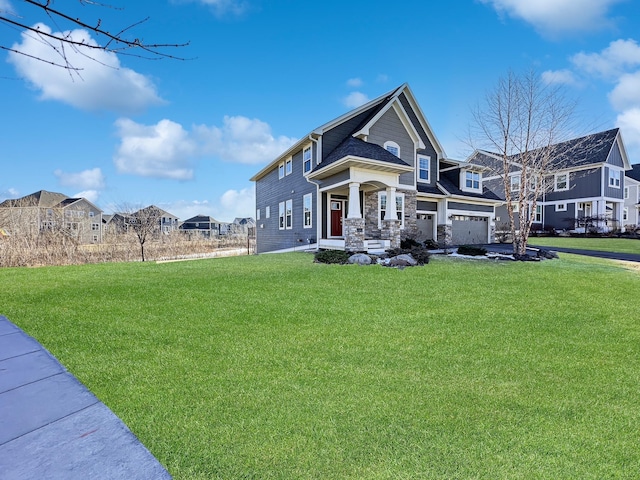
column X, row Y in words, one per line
column 520, row 126
column 144, row 223
column 119, row 40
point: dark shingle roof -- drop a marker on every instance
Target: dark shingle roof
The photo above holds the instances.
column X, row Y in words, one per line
column 422, row 188
column 634, row 172
column 587, row 150
column 453, row 189
column 358, row 148
column 41, row 198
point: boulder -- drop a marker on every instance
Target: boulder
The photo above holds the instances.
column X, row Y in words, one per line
column 359, row 259
column 547, row 254
column 404, row 260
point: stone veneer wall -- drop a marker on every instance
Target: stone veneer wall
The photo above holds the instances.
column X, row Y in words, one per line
column 353, row 234
column 391, row 231
column 371, row 215
column 444, row 235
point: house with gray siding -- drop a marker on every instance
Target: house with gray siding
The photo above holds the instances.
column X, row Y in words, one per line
column 366, row 180
column 631, row 212
column 584, row 186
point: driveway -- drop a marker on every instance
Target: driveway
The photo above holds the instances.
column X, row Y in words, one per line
column 508, row 248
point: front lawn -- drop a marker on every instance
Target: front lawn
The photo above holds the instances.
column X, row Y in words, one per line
column 273, row 367
column 622, row 245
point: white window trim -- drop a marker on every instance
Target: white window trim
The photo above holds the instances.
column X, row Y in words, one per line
column 392, row 144
column 428, row 169
column 267, row 211
column 281, row 170
column 288, row 214
column 398, row 194
column 308, row 197
column 625, row 214
column 626, row 193
column 281, row 216
column 555, row 182
column 561, row 207
column 465, row 188
column 257, row 214
column 304, row 161
column 288, row 166
column 614, row 178
column 538, row 215
column 512, row 182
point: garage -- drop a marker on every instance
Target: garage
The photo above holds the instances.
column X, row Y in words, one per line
column 469, row 230
column 424, row 226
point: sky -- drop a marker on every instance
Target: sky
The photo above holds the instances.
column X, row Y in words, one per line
column 187, row 133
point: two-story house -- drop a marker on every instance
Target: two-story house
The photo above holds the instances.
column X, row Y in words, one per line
column 46, row 211
column 583, row 186
column 369, row 178
column 203, row 225
column 631, row 212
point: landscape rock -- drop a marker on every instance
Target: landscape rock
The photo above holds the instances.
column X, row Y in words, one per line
column 359, row 259
column 547, row 254
column 404, row 260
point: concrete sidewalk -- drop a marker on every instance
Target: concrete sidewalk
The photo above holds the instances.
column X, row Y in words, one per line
column 52, row 427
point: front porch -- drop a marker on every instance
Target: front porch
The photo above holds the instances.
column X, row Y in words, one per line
column 373, row 246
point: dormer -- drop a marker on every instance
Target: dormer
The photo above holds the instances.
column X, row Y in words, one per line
column 471, row 178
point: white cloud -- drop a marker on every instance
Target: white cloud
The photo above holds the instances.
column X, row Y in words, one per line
column 99, row 83
column 87, row 179
column 563, row 77
column 241, row 140
column 355, row 99
column 5, row 7
column 617, row 58
column 221, row 7
column 355, row 82
column 167, row 150
column 552, row 17
column 231, row 204
column 91, row 195
column 629, row 123
column 382, row 78
column 626, row 93
column 163, row 150
column 238, row 203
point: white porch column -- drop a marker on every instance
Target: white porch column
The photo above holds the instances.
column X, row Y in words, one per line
column 354, row 201
column 390, row 213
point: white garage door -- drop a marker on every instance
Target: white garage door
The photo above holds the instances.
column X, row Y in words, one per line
column 424, row 224
column 469, row 230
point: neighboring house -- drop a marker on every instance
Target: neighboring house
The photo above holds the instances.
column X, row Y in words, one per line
column 120, row 222
column 631, row 212
column 203, row 225
column 369, row 178
column 584, row 189
column 47, row 211
column 242, row 226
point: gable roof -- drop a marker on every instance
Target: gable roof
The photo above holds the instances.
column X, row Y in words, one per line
column 354, row 147
column 201, row 219
column 371, row 111
column 41, row 198
column 634, row 172
column 588, row 150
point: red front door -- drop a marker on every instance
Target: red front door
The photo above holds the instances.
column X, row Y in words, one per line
column 336, row 218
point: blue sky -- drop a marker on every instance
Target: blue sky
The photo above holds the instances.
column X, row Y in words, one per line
column 187, row 135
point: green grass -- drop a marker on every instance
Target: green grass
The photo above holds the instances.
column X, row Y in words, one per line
column 272, row 367
column 623, row 245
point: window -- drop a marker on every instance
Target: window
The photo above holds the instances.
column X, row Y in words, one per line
column 289, row 214
column 95, row 227
column 561, row 207
column 306, row 159
column 258, row 214
column 562, row 182
column 267, row 212
column 281, row 215
column 281, row 170
column 625, row 214
column 288, row 167
column 424, row 163
column 626, row 193
column 306, row 210
column 382, row 207
column 472, row 180
column 614, row 178
column 95, row 238
column 515, row 183
column 92, row 214
column 392, row 147
column 538, row 218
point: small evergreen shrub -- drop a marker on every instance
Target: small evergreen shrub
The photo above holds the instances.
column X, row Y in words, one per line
column 472, row 250
column 409, row 243
column 431, row 244
column 331, row 256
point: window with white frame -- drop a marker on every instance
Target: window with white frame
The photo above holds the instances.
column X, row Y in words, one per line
column 538, row 217
column 281, row 215
column 392, row 147
column 382, row 207
column 562, row 181
column 614, row 178
column 288, row 167
column 306, row 159
column 561, row 207
column 306, row 210
column 626, row 193
column 281, row 170
column 472, row 180
column 515, row 183
column 424, row 163
column 258, row 214
column 267, row 211
column 289, row 214
column 625, row 214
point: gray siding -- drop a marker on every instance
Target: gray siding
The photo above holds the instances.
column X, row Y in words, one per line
column 337, row 178
column 611, row 191
column 427, row 206
column 615, row 158
column 469, row 206
column 559, row 220
column 582, row 184
column 270, row 191
column 390, row 128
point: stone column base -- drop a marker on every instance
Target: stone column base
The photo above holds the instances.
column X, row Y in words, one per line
column 391, row 232
column 353, row 229
column 444, row 235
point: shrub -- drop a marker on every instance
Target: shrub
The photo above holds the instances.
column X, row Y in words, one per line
column 471, row 250
column 420, row 254
column 431, row 244
column 331, row 256
column 409, row 243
